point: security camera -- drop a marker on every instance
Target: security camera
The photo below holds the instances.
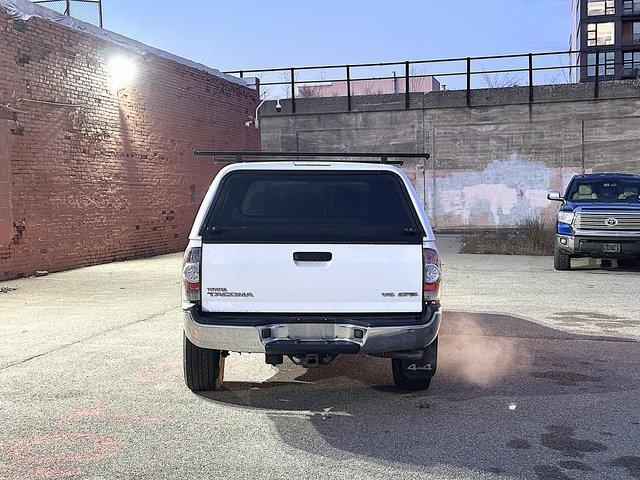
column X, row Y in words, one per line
column 278, row 106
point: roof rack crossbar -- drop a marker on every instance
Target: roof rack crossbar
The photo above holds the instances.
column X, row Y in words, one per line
column 381, row 157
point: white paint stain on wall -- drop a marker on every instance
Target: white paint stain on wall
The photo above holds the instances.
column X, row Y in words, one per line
column 501, row 194
column 498, row 199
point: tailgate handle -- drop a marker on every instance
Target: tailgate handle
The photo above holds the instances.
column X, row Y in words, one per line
column 312, row 256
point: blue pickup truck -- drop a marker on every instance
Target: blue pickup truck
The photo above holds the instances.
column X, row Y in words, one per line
column 599, row 218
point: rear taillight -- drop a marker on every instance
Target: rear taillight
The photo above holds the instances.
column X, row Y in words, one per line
column 191, row 275
column 432, row 272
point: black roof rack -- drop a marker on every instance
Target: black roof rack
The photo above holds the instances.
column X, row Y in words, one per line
column 381, row 157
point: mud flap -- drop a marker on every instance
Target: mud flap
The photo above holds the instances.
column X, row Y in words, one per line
column 424, row 367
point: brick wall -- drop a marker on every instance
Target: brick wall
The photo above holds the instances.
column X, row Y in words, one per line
column 90, row 176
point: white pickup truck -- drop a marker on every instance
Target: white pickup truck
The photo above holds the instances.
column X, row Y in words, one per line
column 310, row 260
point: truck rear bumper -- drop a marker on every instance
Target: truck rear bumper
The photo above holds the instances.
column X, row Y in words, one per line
column 356, row 336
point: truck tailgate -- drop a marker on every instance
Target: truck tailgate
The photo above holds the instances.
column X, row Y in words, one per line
column 311, row 278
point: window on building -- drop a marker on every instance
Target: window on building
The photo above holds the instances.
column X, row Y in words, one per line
column 601, row 7
column 631, row 64
column 631, row 33
column 631, row 7
column 606, row 64
column 599, row 34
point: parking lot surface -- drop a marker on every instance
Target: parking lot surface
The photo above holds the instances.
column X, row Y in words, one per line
column 539, row 377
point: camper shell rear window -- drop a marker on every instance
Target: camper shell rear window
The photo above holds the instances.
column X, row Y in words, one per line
column 269, row 206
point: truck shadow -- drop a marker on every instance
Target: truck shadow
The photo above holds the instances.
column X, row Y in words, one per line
column 509, row 397
column 599, row 265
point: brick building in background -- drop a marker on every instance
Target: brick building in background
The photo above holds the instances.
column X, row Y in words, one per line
column 96, row 168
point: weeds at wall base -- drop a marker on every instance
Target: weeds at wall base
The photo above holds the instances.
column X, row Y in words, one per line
column 531, row 236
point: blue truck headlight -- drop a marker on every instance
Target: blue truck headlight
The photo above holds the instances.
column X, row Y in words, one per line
column 566, row 217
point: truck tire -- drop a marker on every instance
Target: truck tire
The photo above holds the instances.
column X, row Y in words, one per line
column 415, row 375
column 203, row 368
column 561, row 260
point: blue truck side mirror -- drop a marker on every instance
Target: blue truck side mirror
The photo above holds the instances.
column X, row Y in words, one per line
column 555, row 196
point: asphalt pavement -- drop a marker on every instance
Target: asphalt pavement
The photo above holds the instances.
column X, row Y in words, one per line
column 538, row 377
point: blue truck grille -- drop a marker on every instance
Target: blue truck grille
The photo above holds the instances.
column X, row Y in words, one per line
column 608, row 221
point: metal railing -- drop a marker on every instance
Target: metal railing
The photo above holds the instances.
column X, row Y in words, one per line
column 532, row 64
column 86, row 10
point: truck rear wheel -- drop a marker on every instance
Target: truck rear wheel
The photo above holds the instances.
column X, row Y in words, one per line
column 414, row 375
column 561, row 260
column 203, row 368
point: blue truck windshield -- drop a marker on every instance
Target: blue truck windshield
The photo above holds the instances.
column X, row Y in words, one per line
column 604, row 190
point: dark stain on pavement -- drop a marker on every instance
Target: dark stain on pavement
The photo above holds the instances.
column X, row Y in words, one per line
column 561, row 438
column 569, row 379
column 496, row 470
column 631, row 463
column 585, row 316
column 519, row 443
column 591, row 319
column 550, row 472
column 575, row 465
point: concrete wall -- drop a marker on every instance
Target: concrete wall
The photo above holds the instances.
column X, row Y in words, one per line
column 88, row 175
column 492, row 163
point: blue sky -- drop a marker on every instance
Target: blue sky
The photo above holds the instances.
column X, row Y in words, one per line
column 232, row 34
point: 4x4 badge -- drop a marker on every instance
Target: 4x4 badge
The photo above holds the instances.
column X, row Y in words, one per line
column 415, row 367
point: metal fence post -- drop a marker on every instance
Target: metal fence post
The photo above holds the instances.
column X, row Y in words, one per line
column 531, row 78
column 407, row 98
column 468, row 81
column 596, row 84
column 293, row 90
column 348, row 88
column 101, row 13
column 241, row 74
